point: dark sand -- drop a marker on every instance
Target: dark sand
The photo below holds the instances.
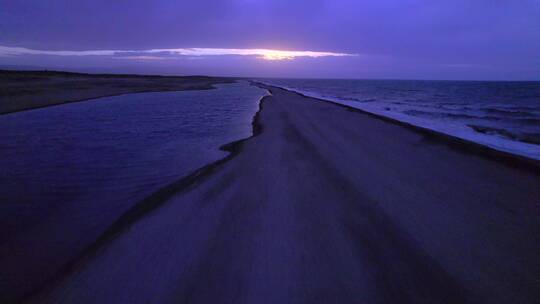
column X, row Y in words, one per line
column 324, row 205
column 24, row 90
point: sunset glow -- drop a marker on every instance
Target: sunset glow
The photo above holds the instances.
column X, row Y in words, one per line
column 152, row 54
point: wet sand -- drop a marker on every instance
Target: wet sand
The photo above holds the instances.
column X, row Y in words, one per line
column 25, row 90
column 324, row 205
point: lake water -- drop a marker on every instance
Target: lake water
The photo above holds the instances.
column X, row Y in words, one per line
column 69, row 171
column 502, row 115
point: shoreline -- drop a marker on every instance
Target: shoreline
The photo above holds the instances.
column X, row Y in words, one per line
column 465, row 145
column 151, row 203
column 29, row 90
column 470, row 146
column 100, row 96
column 294, row 210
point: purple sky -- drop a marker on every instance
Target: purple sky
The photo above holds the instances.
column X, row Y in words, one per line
column 418, row 39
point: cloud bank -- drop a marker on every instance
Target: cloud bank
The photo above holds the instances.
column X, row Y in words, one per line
column 153, row 54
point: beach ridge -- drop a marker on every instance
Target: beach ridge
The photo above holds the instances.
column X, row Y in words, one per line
column 333, row 203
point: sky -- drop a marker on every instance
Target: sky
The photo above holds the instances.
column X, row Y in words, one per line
column 389, row 39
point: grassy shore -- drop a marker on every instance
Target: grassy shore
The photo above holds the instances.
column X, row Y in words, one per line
column 324, row 205
column 24, row 90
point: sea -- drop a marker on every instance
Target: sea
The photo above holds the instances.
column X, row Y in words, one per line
column 501, row 115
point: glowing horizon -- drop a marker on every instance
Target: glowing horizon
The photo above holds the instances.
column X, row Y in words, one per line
column 155, row 54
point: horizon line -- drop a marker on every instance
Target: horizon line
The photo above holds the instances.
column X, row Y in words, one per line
column 74, row 71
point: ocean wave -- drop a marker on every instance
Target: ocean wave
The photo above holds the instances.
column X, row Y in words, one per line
column 449, row 115
column 477, row 112
column 509, row 112
column 531, row 138
column 533, row 122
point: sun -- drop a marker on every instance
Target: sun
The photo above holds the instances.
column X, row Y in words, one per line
column 276, row 55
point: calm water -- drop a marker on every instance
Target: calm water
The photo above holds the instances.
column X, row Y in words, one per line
column 503, row 115
column 69, row 171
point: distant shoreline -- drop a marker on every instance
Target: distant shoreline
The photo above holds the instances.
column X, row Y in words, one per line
column 28, row 90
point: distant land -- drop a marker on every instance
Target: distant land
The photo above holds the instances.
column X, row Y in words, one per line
column 24, row 90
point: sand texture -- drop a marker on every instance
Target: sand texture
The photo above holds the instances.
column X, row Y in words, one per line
column 325, row 205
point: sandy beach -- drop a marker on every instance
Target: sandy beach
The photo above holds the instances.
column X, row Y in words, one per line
column 324, row 204
column 25, row 90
